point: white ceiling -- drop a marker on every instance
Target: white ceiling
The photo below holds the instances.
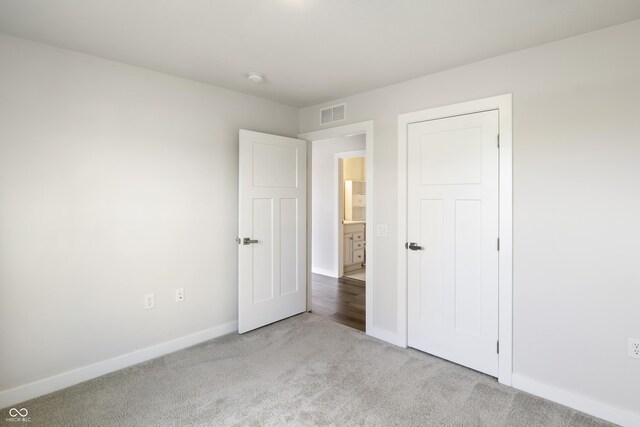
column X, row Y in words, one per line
column 311, row 51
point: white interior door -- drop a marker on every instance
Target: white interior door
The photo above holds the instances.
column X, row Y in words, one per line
column 453, row 224
column 272, row 229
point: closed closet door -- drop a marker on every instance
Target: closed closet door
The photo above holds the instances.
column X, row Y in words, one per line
column 453, row 227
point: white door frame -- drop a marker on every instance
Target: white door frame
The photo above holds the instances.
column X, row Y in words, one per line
column 503, row 104
column 336, row 132
column 339, row 157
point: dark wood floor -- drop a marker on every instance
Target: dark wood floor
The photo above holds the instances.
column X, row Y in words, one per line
column 342, row 300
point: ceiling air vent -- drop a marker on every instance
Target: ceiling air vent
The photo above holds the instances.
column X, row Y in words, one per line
column 335, row 113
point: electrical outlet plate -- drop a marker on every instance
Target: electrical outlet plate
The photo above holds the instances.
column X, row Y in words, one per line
column 180, row 295
column 149, row 301
column 634, row 348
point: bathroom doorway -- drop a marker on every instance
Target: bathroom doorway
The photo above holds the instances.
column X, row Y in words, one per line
column 352, row 193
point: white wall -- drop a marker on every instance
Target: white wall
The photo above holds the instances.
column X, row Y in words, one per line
column 576, row 106
column 114, row 182
column 325, row 200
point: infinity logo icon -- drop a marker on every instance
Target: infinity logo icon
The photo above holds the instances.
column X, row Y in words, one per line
column 13, row 412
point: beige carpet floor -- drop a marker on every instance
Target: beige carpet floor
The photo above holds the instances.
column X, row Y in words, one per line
column 305, row 370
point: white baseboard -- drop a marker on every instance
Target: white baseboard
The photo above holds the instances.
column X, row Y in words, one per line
column 387, row 336
column 324, row 272
column 576, row 401
column 75, row 376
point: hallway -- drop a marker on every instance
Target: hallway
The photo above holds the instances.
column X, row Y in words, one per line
column 341, row 300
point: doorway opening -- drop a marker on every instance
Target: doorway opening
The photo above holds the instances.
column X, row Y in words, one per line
column 364, row 129
column 338, row 229
column 352, row 193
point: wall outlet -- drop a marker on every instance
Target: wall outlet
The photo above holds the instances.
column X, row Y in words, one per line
column 634, row 348
column 149, row 301
column 180, row 295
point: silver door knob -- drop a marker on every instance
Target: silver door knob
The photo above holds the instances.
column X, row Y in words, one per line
column 414, row 246
column 248, row 241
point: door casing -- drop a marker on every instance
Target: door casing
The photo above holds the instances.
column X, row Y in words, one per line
column 503, row 104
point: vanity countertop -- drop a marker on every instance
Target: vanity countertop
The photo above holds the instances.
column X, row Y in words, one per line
column 354, row 221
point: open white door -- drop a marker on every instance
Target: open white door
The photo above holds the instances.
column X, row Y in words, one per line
column 272, row 229
column 453, row 221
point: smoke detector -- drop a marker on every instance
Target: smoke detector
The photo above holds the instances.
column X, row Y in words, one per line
column 255, row 77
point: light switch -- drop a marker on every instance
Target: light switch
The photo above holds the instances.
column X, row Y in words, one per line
column 382, row 230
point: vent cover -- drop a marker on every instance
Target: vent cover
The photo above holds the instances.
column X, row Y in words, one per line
column 332, row 114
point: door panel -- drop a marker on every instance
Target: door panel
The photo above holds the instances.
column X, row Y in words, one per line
column 432, row 263
column 451, row 157
column 274, row 165
column 272, row 196
column 262, row 268
column 289, row 226
column 453, row 215
column 468, row 271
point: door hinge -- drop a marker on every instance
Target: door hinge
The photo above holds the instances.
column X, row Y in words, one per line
column 498, row 347
column 498, row 244
column 498, row 140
